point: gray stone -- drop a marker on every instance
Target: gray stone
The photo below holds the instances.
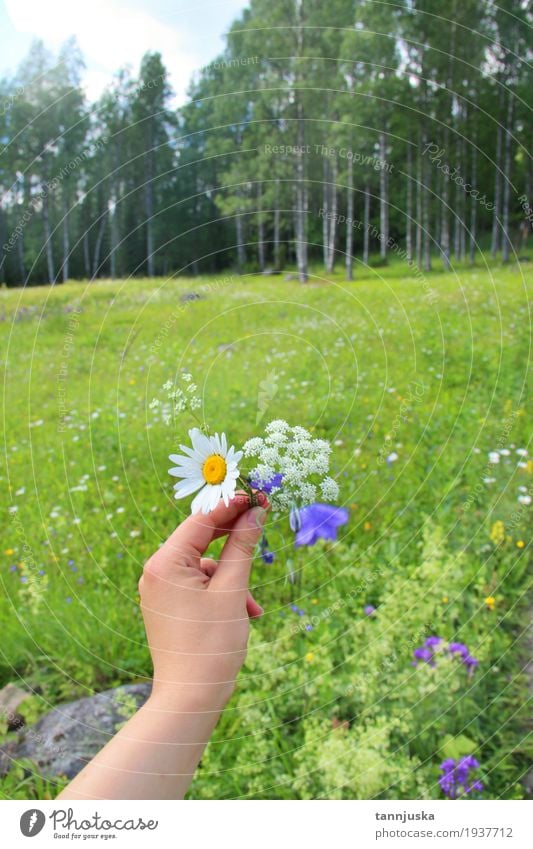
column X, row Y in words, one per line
column 67, row 737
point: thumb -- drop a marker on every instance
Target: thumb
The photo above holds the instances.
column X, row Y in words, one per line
column 235, row 560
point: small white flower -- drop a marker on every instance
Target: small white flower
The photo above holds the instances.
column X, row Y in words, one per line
column 525, row 499
column 521, row 452
column 494, row 457
column 392, row 457
column 209, row 466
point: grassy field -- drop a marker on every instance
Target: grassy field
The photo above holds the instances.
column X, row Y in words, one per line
column 415, row 379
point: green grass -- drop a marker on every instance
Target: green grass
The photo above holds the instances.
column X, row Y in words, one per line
column 433, row 368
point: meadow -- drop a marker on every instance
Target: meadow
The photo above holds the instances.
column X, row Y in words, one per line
column 420, row 384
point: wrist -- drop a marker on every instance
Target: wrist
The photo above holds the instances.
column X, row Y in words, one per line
column 206, row 699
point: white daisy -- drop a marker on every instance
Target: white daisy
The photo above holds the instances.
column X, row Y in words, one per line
column 209, row 466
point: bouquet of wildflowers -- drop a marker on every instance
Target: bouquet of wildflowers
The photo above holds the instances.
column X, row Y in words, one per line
column 286, row 463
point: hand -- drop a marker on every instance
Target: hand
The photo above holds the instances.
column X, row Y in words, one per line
column 196, row 611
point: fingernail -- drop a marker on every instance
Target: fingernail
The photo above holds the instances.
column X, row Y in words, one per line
column 257, row 517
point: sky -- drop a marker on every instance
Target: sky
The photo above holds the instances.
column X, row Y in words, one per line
column 114, row 33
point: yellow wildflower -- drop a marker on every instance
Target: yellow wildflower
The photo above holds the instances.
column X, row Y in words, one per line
column 367, row 526
column 497, row 532
column 520, row 543
column 490, row 601
column 309, row 657
column 9, row 551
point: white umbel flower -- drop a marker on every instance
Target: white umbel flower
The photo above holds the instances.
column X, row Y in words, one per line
column 209, row 466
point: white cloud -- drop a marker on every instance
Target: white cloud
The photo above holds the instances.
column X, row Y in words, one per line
column 110, row 34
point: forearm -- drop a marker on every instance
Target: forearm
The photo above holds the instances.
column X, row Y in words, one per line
column 155, row 754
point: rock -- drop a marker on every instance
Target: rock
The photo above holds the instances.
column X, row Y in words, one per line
column 67, row 737
column 10, row 698
column 190, row 296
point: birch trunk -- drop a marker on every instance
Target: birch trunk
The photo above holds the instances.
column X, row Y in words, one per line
column 419, row 206
column 366, row 225
column 349, row 222
column 425, row 218
column 496, row 228
column 149, row 201
column 48, row 238
column 239, row 234
column 301, row 192
column 98, row 244
column 506, row 234
column 409, row 207
column 260, row 231
column 445, row 212
column 383, row 198
column 276, row 229
column 66, row 235
column 473, row 202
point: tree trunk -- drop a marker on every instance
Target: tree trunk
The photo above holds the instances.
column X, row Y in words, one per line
column 149, row 201
column 277, row 263
column 445, row 213
column 425, row 216
column 349, row 220
column 301, row 200
column 506, row 235
column 260, row 231
column 66, row 234
column 301, row 191
column 86, row 253
column 473, row 202
column 114, row 239
column 419, row 205
column 98, row 245
column 409, row 206
column 366, row 225
column 383, row 198
column 48, row 238
column 239, row 235
column 329, row 222
column 325, row 210
column 496, row 228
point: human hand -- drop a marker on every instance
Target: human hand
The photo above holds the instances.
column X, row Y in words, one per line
column 196, row 611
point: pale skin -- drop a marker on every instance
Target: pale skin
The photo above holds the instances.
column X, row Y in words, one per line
column 197, row 616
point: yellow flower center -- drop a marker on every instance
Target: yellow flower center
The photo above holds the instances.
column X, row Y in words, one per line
column 214, row 469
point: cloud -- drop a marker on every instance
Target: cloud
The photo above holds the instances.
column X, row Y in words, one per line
column 110, row 35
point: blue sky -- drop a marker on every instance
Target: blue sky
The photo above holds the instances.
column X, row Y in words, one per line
column 112, row 33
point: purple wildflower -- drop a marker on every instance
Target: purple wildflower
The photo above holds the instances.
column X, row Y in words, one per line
column 458, row 648
column 319, row 521
column 433, row 641
column 455, row 779
column 369, row 610
column 268, row 557
column 424, row 654
column 267, row 486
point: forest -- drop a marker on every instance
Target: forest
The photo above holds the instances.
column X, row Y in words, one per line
column 402, row 129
